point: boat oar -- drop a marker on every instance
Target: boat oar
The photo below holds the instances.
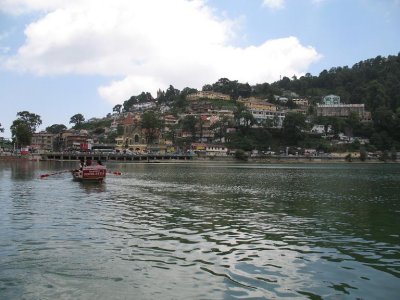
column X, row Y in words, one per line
column 55, row 173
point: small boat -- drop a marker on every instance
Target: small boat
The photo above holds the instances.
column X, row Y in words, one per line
column 90, row 173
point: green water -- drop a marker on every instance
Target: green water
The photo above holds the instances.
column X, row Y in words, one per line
column 201, row 231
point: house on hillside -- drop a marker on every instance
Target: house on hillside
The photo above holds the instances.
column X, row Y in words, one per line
column 331, row 107
column 264, row 112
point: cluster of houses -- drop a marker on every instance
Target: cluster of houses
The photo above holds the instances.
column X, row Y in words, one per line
column 209, row 138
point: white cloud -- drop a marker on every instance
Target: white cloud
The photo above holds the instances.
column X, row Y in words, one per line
column 149, row 44
column 274, row 4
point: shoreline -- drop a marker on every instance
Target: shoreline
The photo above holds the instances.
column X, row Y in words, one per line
column 210, row 159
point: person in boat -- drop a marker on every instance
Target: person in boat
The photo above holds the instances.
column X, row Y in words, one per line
column 81, row 165
column 99, row 163
column 88, row 162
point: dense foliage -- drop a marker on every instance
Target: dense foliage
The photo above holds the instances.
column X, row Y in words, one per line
column 373, row 82
column 23, row 127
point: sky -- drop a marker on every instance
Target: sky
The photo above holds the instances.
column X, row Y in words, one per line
column 63, row 57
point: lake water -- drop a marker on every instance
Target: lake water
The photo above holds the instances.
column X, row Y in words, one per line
column 201, row 231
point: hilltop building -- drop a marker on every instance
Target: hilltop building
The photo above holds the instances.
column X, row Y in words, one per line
column 331, row 107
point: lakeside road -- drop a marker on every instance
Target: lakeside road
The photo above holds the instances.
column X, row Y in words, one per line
column 165, row 158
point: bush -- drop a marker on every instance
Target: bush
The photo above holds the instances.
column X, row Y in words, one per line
column 240, row 155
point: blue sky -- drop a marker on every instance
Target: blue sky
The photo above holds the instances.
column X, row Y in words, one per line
column 62, row 57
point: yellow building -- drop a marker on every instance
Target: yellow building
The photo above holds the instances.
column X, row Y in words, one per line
column 258, row 104
column 208, row 95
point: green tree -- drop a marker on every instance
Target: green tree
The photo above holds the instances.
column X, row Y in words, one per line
column 151, row 124
column 189, row 123
column 77, row 120
column 117, row 108
column 207, row 88
column 31, row 119
column 376, row 95
column 293, row 127
column 243, row 117
column 352, row 123
column 21, row 133
column 129, row 103
column 1, row 128
column 56, row 128
column 144, row 97
column 221, row 126
column 171, row 94
column 240, row 155
column 23, row 128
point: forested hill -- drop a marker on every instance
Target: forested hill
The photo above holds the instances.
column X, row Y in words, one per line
column 374, row 82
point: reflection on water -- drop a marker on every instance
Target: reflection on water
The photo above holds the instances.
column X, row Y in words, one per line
column 201, row 231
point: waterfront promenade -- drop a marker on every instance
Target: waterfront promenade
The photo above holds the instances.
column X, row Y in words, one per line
column 114, row 157
column 132, row 158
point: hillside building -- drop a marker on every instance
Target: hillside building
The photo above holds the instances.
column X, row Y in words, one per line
column 264, row 112
column 208, row 95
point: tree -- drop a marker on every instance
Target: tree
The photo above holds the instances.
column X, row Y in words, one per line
column 30, row 119
column 21, row 133
column 144, row 97
column 293, row 127
column 117, row 108
column 151, row 124
column 207, row 88
column 56, row 128
column 129, row 103
column 1, row 128
column 240, row 155
column 189, row 123
column 220, row 127
column 247, row 118
column 23, row 128
column 244, row 119
column 376, row 95
column 171, row 94
column 77, row 119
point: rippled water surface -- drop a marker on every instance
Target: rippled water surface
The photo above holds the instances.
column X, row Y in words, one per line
column 201, row 231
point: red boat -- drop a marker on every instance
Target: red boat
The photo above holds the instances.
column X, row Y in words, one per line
column 90, row 173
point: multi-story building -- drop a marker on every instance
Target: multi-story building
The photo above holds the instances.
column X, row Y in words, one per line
column 72, row 139
column 255, row 103
column 331, row 107
column 340, row 110
column 43, row 141
column 301, row 102
column 264, row 112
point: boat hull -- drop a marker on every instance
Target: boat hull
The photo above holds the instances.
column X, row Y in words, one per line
column 90, row 174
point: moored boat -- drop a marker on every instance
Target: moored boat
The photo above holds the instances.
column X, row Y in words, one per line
column 90, row 173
